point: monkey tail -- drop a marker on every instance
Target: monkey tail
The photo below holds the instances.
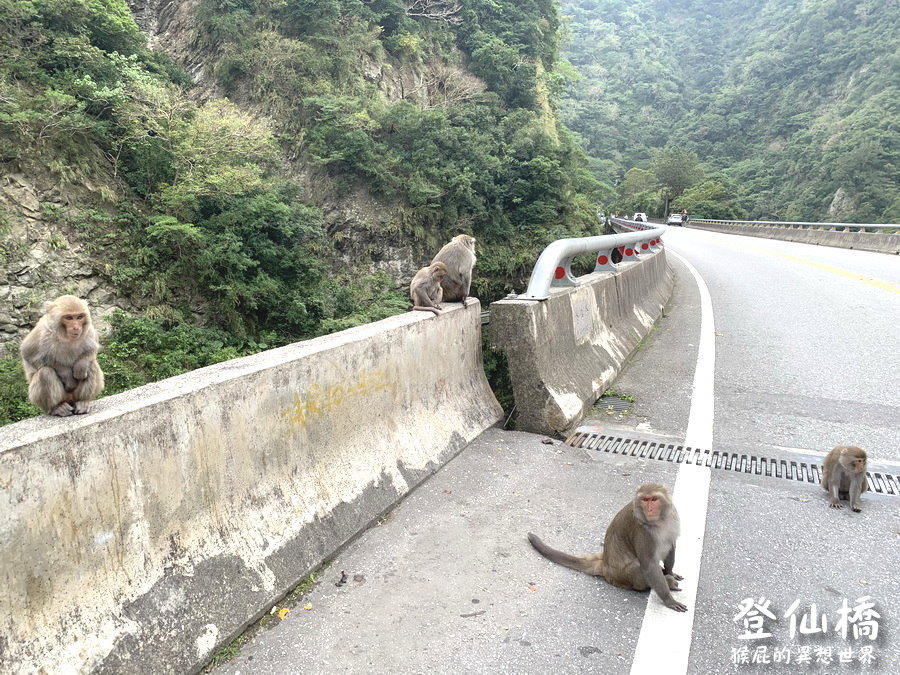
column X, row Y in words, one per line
column 427, row 309
column 592, row 564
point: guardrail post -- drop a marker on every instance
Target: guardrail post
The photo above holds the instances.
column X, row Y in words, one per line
column 604, row 262
column 629, row 252
column 563, row 275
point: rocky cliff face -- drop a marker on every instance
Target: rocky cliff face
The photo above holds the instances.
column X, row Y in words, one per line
column 168, row 25
column 42, row 259
column 352, row 218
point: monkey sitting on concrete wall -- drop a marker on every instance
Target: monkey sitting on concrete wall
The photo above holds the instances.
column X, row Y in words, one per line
column 59, row 356
column 425, row 290
column 459, row 257
column 844, row 475
column 640, row 537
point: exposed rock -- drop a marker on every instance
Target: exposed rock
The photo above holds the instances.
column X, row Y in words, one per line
column 42, row 259
column 169, row 26
column 841, row 207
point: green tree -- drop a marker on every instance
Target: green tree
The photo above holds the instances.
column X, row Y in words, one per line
column 712, row 198
column 676, row 169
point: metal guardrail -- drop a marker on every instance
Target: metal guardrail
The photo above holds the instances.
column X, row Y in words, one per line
column 784, row 224
column 631, row 225
column 553, row 265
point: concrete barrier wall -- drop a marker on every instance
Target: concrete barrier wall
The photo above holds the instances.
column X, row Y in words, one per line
column 878, row 242
column 141, row 537
column 565, row 351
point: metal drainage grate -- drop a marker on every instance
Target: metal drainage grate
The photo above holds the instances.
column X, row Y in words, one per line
column 804, row 472
column 613, row 404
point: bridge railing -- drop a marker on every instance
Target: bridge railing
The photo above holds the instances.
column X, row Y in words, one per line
column 624, row 224
column 553, row 267
column 565, row 350
column 799, row 225
column 877, row 237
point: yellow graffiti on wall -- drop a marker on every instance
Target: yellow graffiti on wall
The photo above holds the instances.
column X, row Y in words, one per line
column 317, row 400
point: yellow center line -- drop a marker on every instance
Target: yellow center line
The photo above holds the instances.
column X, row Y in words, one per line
column 828, row 268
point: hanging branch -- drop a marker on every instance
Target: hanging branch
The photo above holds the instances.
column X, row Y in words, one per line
column 445, row 10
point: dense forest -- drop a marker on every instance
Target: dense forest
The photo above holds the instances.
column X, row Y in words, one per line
column 780, row 109
column 281, row 170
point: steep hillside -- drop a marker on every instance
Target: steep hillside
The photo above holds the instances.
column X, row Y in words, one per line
column 797, row 103
column 276, row 170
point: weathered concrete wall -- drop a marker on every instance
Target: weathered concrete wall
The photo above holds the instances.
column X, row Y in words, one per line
column 878, row 242
column 565, row 351
column 142, row 536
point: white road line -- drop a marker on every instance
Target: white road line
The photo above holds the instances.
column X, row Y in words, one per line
column 664, row 643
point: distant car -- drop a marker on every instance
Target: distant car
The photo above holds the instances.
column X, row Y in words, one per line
column 640, row 216
column 673, row 219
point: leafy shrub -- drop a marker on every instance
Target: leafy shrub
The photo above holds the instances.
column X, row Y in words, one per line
column 14, row 404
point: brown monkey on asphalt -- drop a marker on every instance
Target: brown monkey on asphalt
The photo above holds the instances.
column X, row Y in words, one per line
column 844, row 476
column 59, row 356
column 459, row 257
column 640, row 537
column 425, row 291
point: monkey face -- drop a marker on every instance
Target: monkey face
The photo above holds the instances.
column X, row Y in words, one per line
column 72, row 325
column 854, row 460
column 651, row 505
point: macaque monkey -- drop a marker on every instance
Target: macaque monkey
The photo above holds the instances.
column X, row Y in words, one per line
column 60, row 359
column 640, row 537
column 844, row 476
column 459, row 257
column 425, row 291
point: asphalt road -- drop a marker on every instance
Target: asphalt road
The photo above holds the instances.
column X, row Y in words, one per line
column 806, row 357
column 807, row 342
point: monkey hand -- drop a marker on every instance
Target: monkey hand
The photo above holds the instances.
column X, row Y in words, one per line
column 81, row 407
column 672, row 603
column 855, row 508
column 81, row 369
column 835, row 505
column 62, row 410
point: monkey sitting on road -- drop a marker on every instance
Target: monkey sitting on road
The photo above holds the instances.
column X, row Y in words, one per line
column 640, row 537
column 459, row 257
column 59, row 356
column 425, row 291
column 844, row 476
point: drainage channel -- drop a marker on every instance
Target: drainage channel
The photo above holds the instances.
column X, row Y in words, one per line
column 592, row 438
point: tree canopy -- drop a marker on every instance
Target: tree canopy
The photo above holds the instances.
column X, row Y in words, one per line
column 796, row 103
